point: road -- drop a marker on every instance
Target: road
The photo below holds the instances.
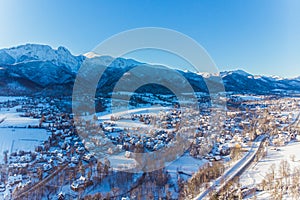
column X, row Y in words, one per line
column 40, row 184
column 234, row 170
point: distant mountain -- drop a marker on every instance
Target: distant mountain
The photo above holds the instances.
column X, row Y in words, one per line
column 39, row 69
column 241, row 81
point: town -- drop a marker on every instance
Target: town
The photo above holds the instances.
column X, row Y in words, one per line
column 95, row 155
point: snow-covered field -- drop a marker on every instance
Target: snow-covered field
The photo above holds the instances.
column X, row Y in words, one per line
column 14, row 136
column 14, row 139
column 120, row 162
column 256, row 173
column 125, row 111
column 6, row 98
column 249, row 98
column 186, row 164
column 11, row 118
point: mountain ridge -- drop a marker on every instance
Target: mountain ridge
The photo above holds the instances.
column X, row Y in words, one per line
column 38, row 69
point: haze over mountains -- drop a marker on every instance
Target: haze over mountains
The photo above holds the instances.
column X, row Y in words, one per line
column 39, row 69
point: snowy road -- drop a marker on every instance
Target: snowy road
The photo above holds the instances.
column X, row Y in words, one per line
column 234, row 170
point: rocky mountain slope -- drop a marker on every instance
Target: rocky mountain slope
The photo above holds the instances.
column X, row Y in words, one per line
column 38, row 69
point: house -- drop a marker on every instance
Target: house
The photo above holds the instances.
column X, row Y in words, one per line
column 12, row 180
column 81, row 183
column 26, row 158
column 88, row 157
column 75, row 159
column 60, row 196
column 47, row 167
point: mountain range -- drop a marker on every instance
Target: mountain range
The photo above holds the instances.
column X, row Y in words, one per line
column 35, row 69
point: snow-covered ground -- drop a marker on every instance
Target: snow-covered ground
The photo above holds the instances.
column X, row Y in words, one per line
column 256, row 173
column 125, row 111
column 249, row 97
column 14, row 139
column 14, row 136
column 6, row 98
column 184, row 167
column 186, row 164
column 120, row 162
column 11, row 118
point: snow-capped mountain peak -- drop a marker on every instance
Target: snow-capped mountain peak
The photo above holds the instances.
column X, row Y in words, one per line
column 38, row 52
column 238, row 71
column 29, row 68
column 111, row 61
column 91, row 54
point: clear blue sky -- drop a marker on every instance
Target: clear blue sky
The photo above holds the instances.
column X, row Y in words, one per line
column 260, row 36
